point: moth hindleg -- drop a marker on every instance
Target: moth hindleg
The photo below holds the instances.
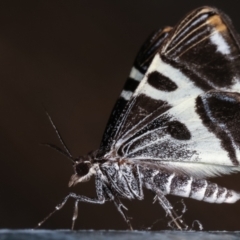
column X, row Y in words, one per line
column 166, row 205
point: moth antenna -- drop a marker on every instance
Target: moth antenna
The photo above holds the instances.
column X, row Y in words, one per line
column 56, row 148
column 58, row 134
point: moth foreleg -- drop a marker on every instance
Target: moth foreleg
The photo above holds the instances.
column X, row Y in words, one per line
column 78, row 198
column 75, row 214
column 58, row 207
column 166, row 205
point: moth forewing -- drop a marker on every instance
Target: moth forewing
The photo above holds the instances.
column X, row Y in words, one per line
column 176, row 121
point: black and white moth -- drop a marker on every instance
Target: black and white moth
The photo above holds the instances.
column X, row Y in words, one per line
column 176, row 122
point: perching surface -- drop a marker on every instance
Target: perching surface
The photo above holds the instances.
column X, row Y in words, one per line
column 28, row 234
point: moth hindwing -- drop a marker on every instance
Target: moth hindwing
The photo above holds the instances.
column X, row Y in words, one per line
column 176, row 120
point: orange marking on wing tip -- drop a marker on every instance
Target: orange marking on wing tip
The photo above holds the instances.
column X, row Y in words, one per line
column 167, row 29
column 217, row 23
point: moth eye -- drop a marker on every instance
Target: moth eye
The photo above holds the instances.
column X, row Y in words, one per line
column 82, row 169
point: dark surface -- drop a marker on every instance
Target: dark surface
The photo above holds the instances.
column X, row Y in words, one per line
column 111, row 234
column 74, row 56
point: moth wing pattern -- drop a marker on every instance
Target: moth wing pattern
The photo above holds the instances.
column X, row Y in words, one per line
column 140, row 66
column 203, row 42
column 162, row 124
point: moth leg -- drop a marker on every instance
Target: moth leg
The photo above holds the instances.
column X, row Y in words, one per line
column 139, row 183
column 58, row 207
column 120, row 207
column 166, row 205
column 75, row 214
column 99, row 200
column 78, row 198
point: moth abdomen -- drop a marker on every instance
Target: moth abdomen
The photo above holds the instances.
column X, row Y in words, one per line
column 199, row 189
column 211, row 192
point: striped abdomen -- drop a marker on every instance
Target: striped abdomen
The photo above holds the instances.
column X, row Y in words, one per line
column 200, row 189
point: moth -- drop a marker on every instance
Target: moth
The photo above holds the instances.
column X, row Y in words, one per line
column 176, row 122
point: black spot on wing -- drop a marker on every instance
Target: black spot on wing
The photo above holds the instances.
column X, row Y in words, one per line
column 178, row 130
column 131, row 85
column 160, row 82
column 220, row 113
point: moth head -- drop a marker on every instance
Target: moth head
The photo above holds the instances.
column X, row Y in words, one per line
column 83, row 170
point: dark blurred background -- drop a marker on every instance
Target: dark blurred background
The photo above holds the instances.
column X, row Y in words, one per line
column 74, row 56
